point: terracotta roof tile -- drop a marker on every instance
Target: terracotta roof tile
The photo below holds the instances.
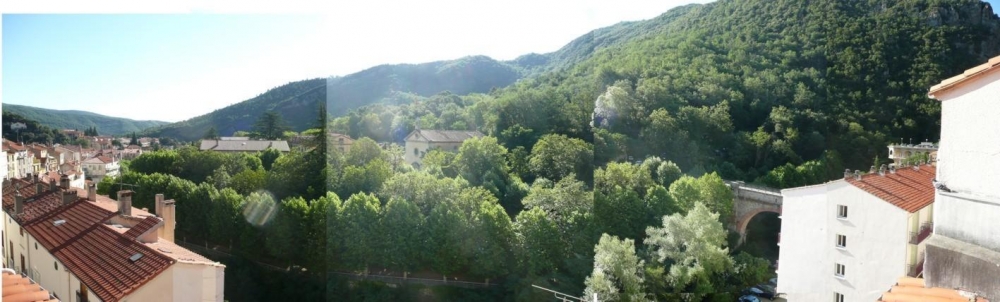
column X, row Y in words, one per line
column 77, row 219
column 909, row 289
column 149, row 223
column 17, row 288
column 102, row 259
column 35, row 205
column 908, row 189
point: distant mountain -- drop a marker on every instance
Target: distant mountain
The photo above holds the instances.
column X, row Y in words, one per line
column 298, row 101
column 76, row 119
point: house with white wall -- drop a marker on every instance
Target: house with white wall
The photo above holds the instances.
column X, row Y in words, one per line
column 419, row 142
column 851, row 239
column 82, row 246
column 99, row 167
column 20, row 162
column 964, row 252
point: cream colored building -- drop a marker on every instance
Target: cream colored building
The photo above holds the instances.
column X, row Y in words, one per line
column 81, row 246
column 419, row 142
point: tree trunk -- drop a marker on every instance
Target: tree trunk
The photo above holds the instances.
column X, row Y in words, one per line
column 487, row 281
column 445, row 277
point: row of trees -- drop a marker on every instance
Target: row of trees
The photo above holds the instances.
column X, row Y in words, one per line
column 466, row 213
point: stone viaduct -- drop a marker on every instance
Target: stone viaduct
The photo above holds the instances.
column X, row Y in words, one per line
column 750, row 200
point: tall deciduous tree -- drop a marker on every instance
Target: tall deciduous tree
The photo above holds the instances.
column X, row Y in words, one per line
column 404, row 241
column 692, row 246
column 555, row 156
column 360, row 219
column 618, row 273
column 709, row 189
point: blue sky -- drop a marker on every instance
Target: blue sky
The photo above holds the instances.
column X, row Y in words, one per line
column 173, row 67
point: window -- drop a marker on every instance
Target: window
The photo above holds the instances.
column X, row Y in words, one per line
column 36, row 245
column 415, row 152
column 840, row 270
column 838, row 297
column 841, row 241
column 56, row 265
column 841, row 211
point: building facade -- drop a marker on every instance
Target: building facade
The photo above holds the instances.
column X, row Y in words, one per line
column 851, row 239
column 419, row 142
column 82, row 246
column 99, row 167
column 964, row 252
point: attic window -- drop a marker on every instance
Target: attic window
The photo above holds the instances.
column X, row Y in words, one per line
column 59, row 222
column 135, row 257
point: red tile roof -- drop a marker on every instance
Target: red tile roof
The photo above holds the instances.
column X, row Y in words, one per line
column 909, row 189
column 17, row 288
column 35, row 205
column 78, row 218
column 102, row 259
column 95, row 253
column 142, row 227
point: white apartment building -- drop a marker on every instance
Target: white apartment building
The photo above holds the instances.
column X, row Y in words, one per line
column 419, row 142
column 20, row 162
column 851, row 239
column 81, row 246
column 964, row 252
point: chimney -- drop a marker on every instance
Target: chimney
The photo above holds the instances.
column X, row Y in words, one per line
column 857, row 174
column 165, row 209
column 872, row 169
column 892, row 169
column 64, row 181
column 39, row 188
column 18, row 203
column 847, row 173
column 881, row 170
column 125, row 202
column 91, row 191
column 53, row 185
column 69, row 196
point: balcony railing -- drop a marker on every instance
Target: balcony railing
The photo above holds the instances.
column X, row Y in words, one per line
column 925, row 231
column 917, row 268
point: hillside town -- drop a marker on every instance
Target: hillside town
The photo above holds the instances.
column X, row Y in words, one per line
column 724, row 150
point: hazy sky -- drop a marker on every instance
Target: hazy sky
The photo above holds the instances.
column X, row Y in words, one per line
column 173, row 67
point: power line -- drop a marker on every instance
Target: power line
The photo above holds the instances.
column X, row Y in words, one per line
column 564, row 297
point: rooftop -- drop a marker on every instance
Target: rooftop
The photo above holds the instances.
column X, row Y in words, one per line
column 908, row 188
column 17, row 288
column 909, row 289
column 243, row 145
column 442, row 136
column 107, row 257
column 965, row 76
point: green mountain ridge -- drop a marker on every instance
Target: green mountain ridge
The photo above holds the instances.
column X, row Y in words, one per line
column 78, row 119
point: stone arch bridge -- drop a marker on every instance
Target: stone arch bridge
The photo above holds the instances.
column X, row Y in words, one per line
column 750, row 200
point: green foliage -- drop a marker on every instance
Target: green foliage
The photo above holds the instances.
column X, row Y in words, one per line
column 689, row 246
column 360, row 221
column 403, row 227
column 269, row 126
column 34, row 131
column 618, row 273
column 72, row 119
column 268, row 157
column 211, row 134
column 709, row 190
column 556, row 156
column 537, row 235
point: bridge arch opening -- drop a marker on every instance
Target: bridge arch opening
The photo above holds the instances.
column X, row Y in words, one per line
column 759, row 233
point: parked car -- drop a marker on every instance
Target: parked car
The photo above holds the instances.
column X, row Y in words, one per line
column 749, row 298
column 768, row 291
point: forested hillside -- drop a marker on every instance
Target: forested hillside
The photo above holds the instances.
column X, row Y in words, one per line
column 297, row 102
column 74, row 119
column 738, row 87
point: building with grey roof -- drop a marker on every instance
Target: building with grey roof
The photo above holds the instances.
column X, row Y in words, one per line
column 242, row 145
